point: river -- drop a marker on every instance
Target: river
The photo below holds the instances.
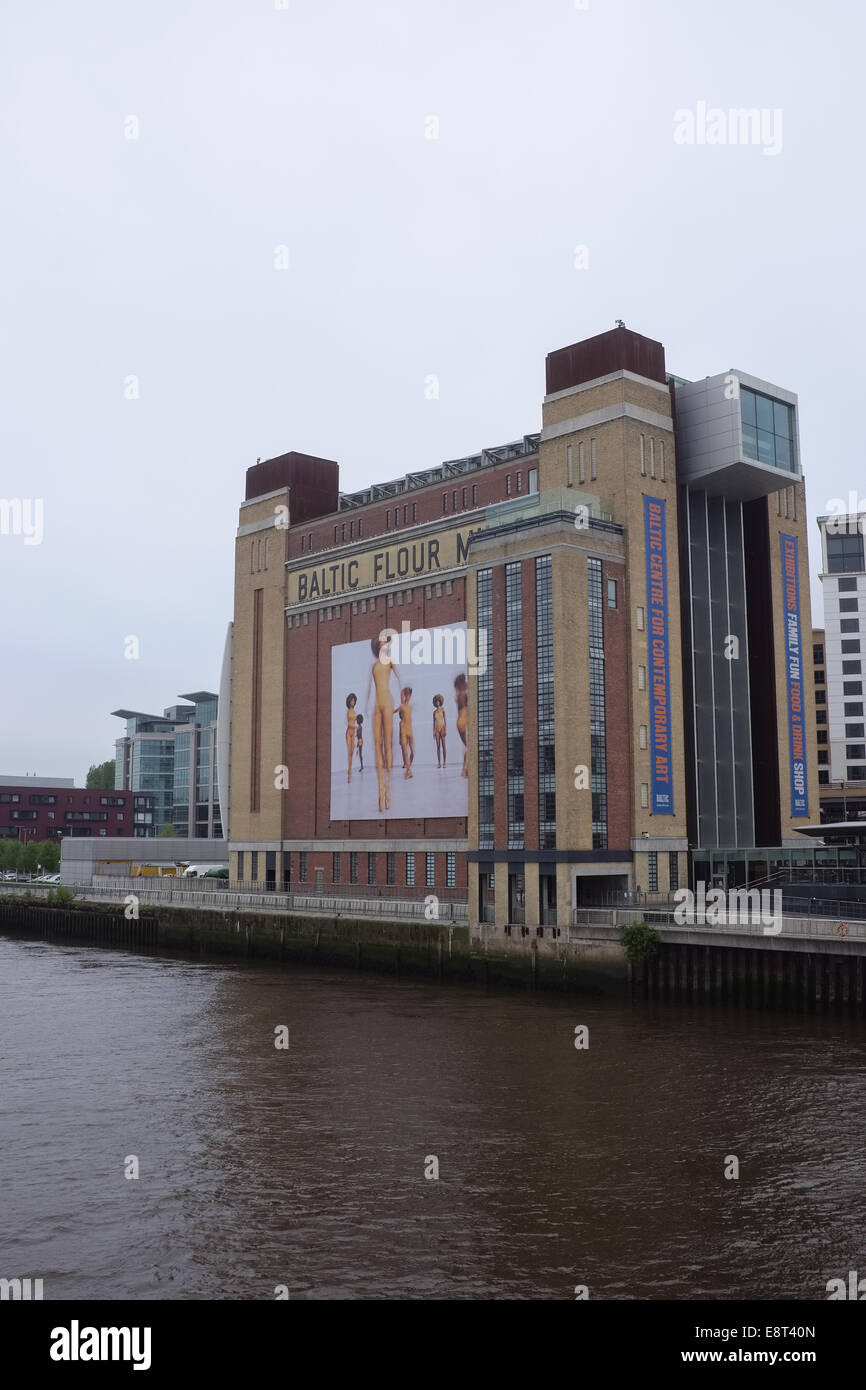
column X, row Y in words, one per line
column 304, row 1167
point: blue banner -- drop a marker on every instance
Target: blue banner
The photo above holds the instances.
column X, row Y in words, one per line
column 794, row 674
column 661, row 758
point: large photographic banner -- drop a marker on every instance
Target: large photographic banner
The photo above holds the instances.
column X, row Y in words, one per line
column 661, row 759
column 794, row 676
column 410, row 709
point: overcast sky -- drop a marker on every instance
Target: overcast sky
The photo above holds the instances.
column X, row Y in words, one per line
column 306, row 127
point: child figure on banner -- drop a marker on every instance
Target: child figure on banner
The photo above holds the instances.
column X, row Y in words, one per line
column 407, row 738
column 439, row 729
column 359, row 735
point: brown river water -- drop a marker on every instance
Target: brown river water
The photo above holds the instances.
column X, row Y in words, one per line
column 305, row 1167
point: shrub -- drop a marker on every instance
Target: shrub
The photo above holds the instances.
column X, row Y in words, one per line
column 639, row 941
column 61, row 897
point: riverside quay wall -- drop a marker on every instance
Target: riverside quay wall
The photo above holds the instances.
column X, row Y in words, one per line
column 809, row 967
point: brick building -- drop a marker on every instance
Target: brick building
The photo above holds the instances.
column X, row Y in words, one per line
column 48, row 808
column 598, row 568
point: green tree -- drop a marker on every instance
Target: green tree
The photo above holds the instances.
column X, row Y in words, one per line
column 168, row 832
column 31, row 856
column 49, row 856
column 101, row 776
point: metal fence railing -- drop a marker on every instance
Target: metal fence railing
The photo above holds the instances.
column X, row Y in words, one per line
column 430, row 905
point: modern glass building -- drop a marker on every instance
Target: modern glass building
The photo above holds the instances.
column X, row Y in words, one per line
column 842, row 726
column 173, row 758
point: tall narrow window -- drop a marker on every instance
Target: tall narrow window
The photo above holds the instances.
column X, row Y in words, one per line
column 674, row 870
column 450, row 869
column 643, row 456
column 514, row 702
column 431, row 870
column 371, row 868
column 662, row 459
column 474, row 494
column 581, row 466
column 410, row 870
column 569, row 469
column 593, row 460
column 652, row 457
column 545, row 703
column 597, row 717
column 653, row 871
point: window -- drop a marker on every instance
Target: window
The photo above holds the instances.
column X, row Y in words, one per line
column 351, row 530
column 451, row 868
column 639, row 617
column 9, row 798
column 641, row 678
column 820, row 678
column 643, row 456
column 818, row 654
column 611, row 593
column 642, row 736
column 823, row 778
column 388, row 520
column 857, row 774
column 845, row 551
column 371, row 868
column 768, row 430
column 405, row 513
column 822, row 735
column 581, row 466
column 34, row 815
column 474, row 494
column 850, row 625
column 855, row 750
column 103, row 800
column 431, row 869
column 847, row 586
column 410, row 870
column 653, row 871
column 335, row 868
column 335, row 535
column 850, row 646
column 644, row 794
column 851, row 668
column 820, row 697
column 343, row 531
column 652, row 458
column 821, row 716
column 855, row 731
column 353, row 868
column 445, row 501
column 519, row 482
column 593, row 465
column 302, row 869
column 41, row 800
column 454, row 500
column 674, row 870
column 119, row 815
column 847, row 605
column 389, row 868
column 662, row 458
column 310, row 536
column 532, row 480
column 823, row 755
column 508, row 485
column 856, row 707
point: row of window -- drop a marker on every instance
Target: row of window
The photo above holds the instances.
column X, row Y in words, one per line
column 653, row 871
column 790, row 498
column 364, row 605
column 70, row 815
column 49, row 799
column 581, row 462
column 649, row 450
column 855, row 773
column 390, row 868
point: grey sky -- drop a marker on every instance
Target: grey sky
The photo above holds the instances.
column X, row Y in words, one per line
column 261, row 127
